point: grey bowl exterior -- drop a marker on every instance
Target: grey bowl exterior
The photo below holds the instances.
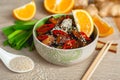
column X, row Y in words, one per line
column 61, row 56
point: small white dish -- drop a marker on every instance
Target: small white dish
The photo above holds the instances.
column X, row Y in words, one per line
column 7, row 58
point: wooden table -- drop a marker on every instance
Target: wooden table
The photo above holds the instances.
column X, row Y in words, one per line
column 109, row 69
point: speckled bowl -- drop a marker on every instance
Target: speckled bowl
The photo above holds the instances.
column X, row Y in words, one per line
column 61, row 56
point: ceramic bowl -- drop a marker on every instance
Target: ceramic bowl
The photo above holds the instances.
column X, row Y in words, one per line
column 61, row 56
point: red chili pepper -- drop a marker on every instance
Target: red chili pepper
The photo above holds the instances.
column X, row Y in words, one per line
column 85, row 36
column 42, row 37
column 69, row 44
column 59, row 32
column 45, row 28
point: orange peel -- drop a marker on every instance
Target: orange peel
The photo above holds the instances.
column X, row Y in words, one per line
column 58, row 6
column 83, row 21
column 104, row 28
column 25, row 12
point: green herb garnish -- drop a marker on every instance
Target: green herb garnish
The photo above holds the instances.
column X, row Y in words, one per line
column 19, row 35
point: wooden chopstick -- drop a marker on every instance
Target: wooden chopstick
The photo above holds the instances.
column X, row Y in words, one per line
column 96, row 61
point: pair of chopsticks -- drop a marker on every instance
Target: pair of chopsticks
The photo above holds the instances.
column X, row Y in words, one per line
column 96, row 61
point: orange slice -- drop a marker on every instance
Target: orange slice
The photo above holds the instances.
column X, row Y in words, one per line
column 58, row 6
column 83, row 21
column 25, row 12
column 103, row 27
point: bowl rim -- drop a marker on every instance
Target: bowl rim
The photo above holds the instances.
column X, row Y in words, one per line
column 34, row 35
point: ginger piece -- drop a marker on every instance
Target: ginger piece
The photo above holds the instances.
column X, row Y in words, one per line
column 102, row 1
column 92, row 9
column 108, row 7
column 80, row 4
column 99, row 1
column 105, row 8
column 115, row 10
column 113, row 47
column 102, row 7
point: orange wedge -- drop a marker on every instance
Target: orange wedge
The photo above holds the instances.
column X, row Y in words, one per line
column 58, row 6
column 103, row 27
column 25, row 12
column 83, row 21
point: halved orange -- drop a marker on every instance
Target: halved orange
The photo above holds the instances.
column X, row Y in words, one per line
column 58, row 6
column 83, row 21
column 25, row 12
column 104, row 28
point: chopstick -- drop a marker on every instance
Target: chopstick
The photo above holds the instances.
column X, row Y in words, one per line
column 96, row 61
